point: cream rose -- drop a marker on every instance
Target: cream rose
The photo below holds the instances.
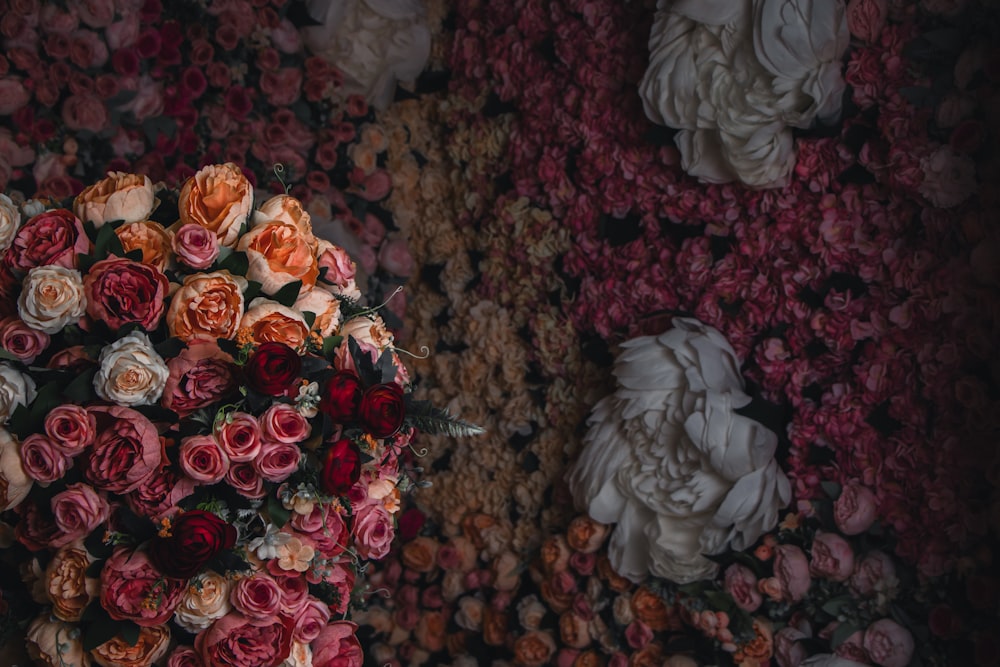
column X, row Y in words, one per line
column 268, row 321
column 16, row 388
column 130, row 372
column 206, row 599
column 325, row 307
column 120, row 196
column 55, row 643
column 51, row 298
column 371, row 332
column 218, row 198
column 14, row 481
column 286, row 209
column 10, row 220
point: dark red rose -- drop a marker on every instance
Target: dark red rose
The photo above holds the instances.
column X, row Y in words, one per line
column 273, row 369
column 342, row 397
column 410, row 523
column 195, row 538
column 382, row 409
column 341, row 467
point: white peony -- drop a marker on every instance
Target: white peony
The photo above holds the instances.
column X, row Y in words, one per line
column 130, row 372
column 734, row 76
column 16, row 388
column 668, row 459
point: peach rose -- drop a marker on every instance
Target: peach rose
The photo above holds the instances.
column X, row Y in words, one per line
column 506, row 569
column 586, row 535
column 269, row 322
column 430, row 631
column 494, row 627
column 151, row 238
column 207, row 305
column 286, row 209
column 651, row 609
column 555, row 554
column 152, row 645
column 218, row 198
column 67, row 584
column 10, row 220
column 51, row 298
column 574, row 630
column 420, row 554
column 14, row 481
column 120, row 196
column 534, row 648
column 759, row 649
column 206, row 599
column 55, row 643
column 325, row 307
column 279, row 254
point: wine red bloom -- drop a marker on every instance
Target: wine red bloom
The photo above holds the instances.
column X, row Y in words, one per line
column 196, row 537
column 342, row 397
column 272, row 369
column 382, row 409
column 341, row 467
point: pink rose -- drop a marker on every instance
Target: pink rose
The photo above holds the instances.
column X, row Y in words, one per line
column 338, row 646
column 855, row 509
column 159, row 495
column 637, row 634
column 310, row 620
column 791, row 569
column 87, row 50
column 277, row 460
column 121, row 291
column 133, row 590
column 294, row 594
column 335, row 265
column 126, row 452
column 875, row 572
column 199, row 376
column 235, row 640
column 243, row 477
column 888, row 643
column 394, row 256
column 13, row 95
column 85, row 111
column 184, row 656
column 42, row 459
column 52, row 237
column 240, row 437
column 148, row 101
column 865, row 18
column 94, row 13
column 202, row 459
column 282, row 87
column 325, row 528
column 71, row 428
column 741, row 584
column 196, row 246
column 122, row 34
column 832, row 557
column 77, row 511
column 788, row 651
column 286, row 37
column 73, row 358
column 373, row 531
column 257, row 597
column 283, row 423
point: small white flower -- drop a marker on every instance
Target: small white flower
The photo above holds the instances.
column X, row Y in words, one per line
column 266, row 546
column 307, row 402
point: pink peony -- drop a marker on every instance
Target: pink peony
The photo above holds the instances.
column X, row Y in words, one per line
column 888, row 643
column 52, row 237
column 133, row 590
column 159, row 495
column 791, row 569
column 855, row 510
column 788, row 651
column 337, row 646
column 865, row 18
column 199, row 376
column 875, row 572
column 236, row 641
column 832, row 557
column 126, row 452
column 741, row 584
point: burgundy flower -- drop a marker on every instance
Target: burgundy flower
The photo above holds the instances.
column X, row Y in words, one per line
column 341, row 467
column 272, row 369
column 196, row 537
column 342, row 397
column 382, row 409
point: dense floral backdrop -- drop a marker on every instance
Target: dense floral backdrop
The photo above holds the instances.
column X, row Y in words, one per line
column 541, row 220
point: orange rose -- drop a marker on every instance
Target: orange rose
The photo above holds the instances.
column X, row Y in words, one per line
column 67, row 584
column 650, row 656
column 585, row 534
column 573, row 630
column 218, row 198
column 588, row 659
column 279, row 254
column 534, row 649
column 120, row 196
column 151, row 646
column 429, row 632
column 473, row 525
column 558, row 591
column 286, row 209
column 420, row 554
column 757, row 651
column 650, row 608
column 268, row 321
column 555, row 554
column 494, row 626
column 325, row 307
column 151, row 238
column 209, row 305
column 615, row 581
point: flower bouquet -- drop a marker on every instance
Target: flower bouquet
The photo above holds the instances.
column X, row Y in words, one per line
column 204, row 433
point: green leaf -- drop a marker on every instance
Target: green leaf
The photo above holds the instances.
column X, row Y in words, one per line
column 84, row 262
column 841, row 633
column 81, row 388
column 310, row 318
column 386, row 367
column 107, row 243
column 169, row 348
column 129, row 631
column 287, row 295
column 253, row 291
column 134, row 255
column 330, row 346
column 237, row 264
column 94, row 569
column 833, row 606
column 429, row 419
column 99, row 627
column 363, row 364
column 832, row 489
column 279, row 515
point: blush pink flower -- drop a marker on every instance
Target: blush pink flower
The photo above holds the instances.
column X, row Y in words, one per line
column 133, row 590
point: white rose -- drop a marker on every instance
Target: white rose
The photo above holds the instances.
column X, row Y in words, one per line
column 668, row 459
column 16, row 388
column 287, row 209
column 10, row 220
column 52, row 297
column 53, row 642
column 530, row 612
column 469, row 615
column 120, row 196
column 14, row 481
column 206, row 599
column 131, row 372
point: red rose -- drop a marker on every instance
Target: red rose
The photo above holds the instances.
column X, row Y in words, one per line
column 52, row 237
column 196, row 537
column 120, row 291
column 382, row 409
column 272, row 369
column 342, row 397
column 341, row 467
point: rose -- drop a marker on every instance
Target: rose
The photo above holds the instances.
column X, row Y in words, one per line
column 865, row 18
column 283, row 423
column 43, row 461
column 555, row 554
column 718, row 485
column 151, row 238
column 949, row 178
column 324, row 306
column 257, row 597
column 218, row 198
column 67, row 585
column 285, row 208
column 394, row 256
column 16, row 389
column 126, row 453
column 741, row 584
column 243, row 477
column 51, row 298
column 50, row 642
column 373, row 531
column 382, row 409
column 200, row 375
column 419, row 554
column 855, row 510
column 534, row 648
column 888, row 643
column 196, row 246
column 130, row 371
column 585, row 535
column 53, row 237
column 341, row 397
column 74, row 358
column 206, row 599
column 77, row 511
column 207, row 305
column 335, row 264
column 120, row 291
column 832, row 557
column 10, row 220
column 873, row 574
column 277, row 461
column 151, row 645
column 270, row 322
column 236, row 640
column 14, row 481
column 279, row 254
column 310, row 619
column 159, row 494
column 650, row 608
column 184, row 656
column 240, row 436
column 337, row 646
column 120, row 196
column 202, row 459
column 85, row 111
column 133, row 589
column 272, row 369
column 341, row 467
column 506, row 571
column 788, row 651
column 791, row 569
column 21, row 340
